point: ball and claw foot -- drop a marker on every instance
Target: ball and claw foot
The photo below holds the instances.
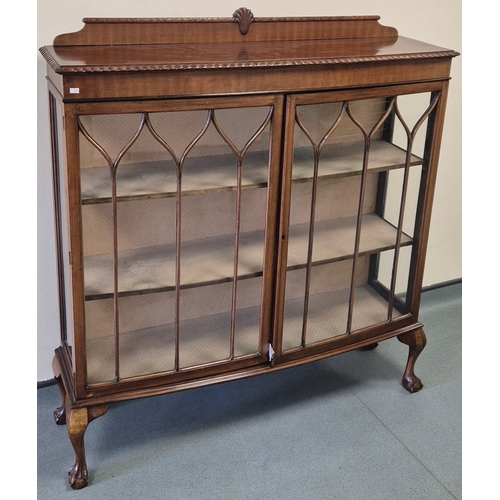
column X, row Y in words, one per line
column 412, row 384
column 60, row 416
column 78, row 477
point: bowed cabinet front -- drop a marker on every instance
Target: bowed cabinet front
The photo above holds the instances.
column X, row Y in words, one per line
column 218, row 219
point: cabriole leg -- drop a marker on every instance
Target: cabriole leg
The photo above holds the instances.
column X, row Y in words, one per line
column 416, row 340
column 77, row 425
column 78, row 420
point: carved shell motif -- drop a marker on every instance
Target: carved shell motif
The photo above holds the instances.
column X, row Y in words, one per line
column 244, row 18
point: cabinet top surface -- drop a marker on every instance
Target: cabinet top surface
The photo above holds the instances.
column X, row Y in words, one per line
column 124, row 45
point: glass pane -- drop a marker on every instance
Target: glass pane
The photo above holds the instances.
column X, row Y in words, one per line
column 229, row 226
column 324, row 205
column 62, row 227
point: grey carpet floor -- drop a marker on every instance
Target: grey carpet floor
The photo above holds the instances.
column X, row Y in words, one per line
column 342, row 428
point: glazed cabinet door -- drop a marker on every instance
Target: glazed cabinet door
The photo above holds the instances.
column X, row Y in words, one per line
column 355, row 185
column 177, row 263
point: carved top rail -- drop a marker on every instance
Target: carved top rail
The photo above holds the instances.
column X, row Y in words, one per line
column 243, row 26
column 125, row 45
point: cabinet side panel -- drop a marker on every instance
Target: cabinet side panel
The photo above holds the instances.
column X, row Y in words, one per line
column 60, row 192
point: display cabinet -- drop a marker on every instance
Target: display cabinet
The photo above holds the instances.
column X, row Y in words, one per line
column 233, row 197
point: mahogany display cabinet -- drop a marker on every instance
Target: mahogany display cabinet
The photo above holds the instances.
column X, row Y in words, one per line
column 235, row 196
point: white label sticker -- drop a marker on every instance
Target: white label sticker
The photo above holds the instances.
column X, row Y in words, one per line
column 74, row 91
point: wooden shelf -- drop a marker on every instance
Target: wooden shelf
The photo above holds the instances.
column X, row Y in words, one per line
column 152, row 350
column 327, row 315
column 218, row 173
column 345, row 159
column 152, row 269
column 334, row 240
column 158, row 179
